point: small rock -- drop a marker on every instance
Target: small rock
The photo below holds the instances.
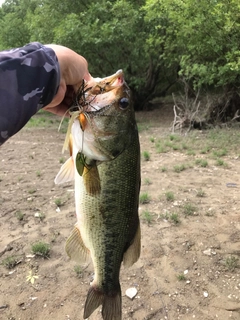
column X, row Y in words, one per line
column 185, row 271
column 58, row 209
column 205, row 293
column 207, row 252
column 131, row 293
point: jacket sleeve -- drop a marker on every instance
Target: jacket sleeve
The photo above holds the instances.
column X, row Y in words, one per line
column 29, row 79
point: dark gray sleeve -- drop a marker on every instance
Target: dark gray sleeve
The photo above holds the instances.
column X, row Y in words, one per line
column 29, row 79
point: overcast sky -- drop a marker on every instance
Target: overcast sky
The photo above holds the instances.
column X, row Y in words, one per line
column 1, row 2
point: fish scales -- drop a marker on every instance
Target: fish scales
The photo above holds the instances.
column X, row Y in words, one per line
column 106, row 192
column 110, row 221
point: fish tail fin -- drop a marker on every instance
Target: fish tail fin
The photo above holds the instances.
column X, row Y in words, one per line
column 111, row 303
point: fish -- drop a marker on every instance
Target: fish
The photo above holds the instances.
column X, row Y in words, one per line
column 107, row 230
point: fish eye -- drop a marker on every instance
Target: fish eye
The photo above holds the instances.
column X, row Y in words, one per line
column 123, row 103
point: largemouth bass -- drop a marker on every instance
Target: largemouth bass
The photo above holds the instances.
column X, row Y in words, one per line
column 107, row 228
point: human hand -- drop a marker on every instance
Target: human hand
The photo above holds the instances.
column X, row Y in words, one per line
column 74, row 69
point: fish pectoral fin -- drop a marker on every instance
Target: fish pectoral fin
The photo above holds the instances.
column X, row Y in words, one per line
column 66, row 172
column 75, row 247
column 133, row 252
column 91, row 180
column 111, row 303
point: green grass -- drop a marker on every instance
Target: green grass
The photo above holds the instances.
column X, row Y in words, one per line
column 221, row 163
column 144, row 198
column 146, row 156
column 61, row 160
column 41, row 248
column 78, row 270
column 189, row 209
column 201, row 193
column 181, row 277
column 58, row 202
column 174, row 217
column 220, row 153
column 231, row 263
column 142, row 126
column 10, row 262
column 179, row 168
column 201, row 162
column 169, row 196
column 147, row 216
column 19, row 215
column 147, row 181
column 38, row 173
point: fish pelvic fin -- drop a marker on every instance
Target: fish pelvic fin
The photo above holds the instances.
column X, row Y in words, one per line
column 75, row 247
column 91, row 180
column 111, row 303
column 66, row 172
column 133, row 252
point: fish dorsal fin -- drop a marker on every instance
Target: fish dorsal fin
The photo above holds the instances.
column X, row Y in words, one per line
column 66, row 172
column 75, row 247
column 133, row 252
column 91, row 180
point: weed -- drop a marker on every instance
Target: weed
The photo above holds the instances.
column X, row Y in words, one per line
column 179, row 168
column 61, row 160
column 205, row 150
column 10, row 262
column 19, row 215
column 181, row 277
column 174, row 217
column 201, row 162
column 147, row 216
column 189, row 209
column 174, row 137
column 31, row 191
column 209, row 213
column 184, row 146
column 41, row 249
column 220, row 162
column 38, row 173
column 58, row 202
column 163, row 169
column 231, row 263
column 191, row 153
column 31, row 277
column 78, row 270
column 175, row 147
column 201, row 193
column 160, row 149
column 220, row 153
column 142, row 127
column 40, row 216
column 146, row 156
column 152, row 139
column 144, row 198
column 169, row 196
column 147, row 181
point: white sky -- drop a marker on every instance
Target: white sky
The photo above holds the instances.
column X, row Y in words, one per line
column 1, row 2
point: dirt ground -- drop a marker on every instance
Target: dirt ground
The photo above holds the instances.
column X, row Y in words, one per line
column 182, row 272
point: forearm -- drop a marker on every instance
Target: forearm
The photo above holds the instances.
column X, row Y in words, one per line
column 29, row 79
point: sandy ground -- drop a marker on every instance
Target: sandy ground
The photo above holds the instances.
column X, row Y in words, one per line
column 182, row 272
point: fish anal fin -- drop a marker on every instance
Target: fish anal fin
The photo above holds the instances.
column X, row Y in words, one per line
column 91, row 180
column 75, row 247
column 133, row 252
column 66, row 172
column 111, row 303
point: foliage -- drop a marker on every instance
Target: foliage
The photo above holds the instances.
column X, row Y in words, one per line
column 155, row 42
